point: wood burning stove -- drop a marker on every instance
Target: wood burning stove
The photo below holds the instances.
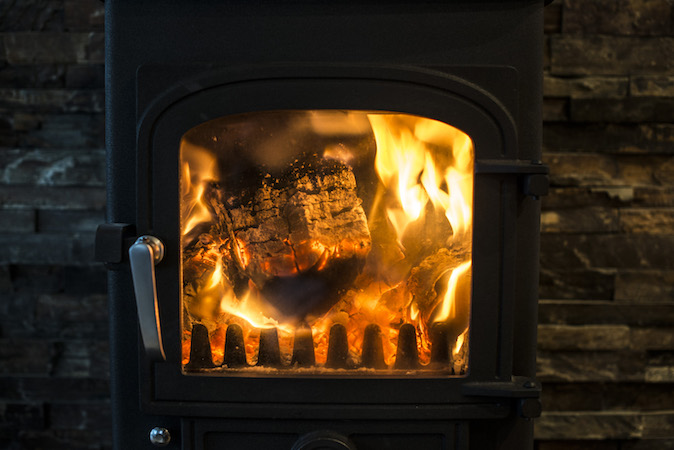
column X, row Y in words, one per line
column 324, row 223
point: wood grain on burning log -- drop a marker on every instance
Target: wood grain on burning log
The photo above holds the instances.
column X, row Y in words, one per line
column 305, row 231
column 422, row 283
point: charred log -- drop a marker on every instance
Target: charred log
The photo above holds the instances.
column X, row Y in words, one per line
column 306, row 228
column 427, row 281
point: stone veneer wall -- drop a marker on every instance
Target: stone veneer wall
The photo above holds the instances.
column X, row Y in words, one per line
column 606, row 352
column 606, row 333
column 54, row 388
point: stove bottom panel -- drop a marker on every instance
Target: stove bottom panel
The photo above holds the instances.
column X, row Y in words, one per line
column 306, row 435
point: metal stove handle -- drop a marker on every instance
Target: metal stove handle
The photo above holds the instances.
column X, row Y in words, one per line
column 143, row 255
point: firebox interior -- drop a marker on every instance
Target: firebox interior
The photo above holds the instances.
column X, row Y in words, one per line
column 333, row 242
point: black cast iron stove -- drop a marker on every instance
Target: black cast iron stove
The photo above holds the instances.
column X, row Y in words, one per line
column 324, row 223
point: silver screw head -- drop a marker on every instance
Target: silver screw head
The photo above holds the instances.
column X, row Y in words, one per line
column 160, row 436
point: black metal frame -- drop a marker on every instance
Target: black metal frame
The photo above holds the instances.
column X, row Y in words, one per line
column 157, row 91
column 427, row 93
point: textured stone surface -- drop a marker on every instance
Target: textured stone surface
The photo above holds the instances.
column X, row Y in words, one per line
column 619, row 17
column 595, row 54
column 553, row 18
column 22, row 415
column 578, row 445
column 31, row 15
column 651, row 220
column 664, row 374
column 584, row 337
column 73, row 249
column 53, row 48
column 654, row 86
column 654, row 196
column 575, row 169
column 46, row 197
column 645, row 286
column 650, row 444
column 581, row 312
column 78, row 416
column 52, row 167
column 607, row 251
column 555, row 109
column 25, row 357
column 66, row 131
column 659, row 425
column 68, row 220
column 40, row 389
column 53, row 100
column 583, row 87
column 609, row 425
column 562, row 283
column 609, row 138
column 17, row 221
column 653, row 338
column 84, row 15
column 580, row 220
column 628, row 109
column 607, row 397
column 591, row 366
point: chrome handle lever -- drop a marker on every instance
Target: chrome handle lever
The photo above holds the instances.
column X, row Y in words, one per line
column 143, row 255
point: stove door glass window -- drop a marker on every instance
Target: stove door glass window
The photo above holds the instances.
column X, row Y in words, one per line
column 326, row 242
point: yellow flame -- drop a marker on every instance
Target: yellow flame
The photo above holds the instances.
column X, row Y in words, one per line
column 448, row 305
column 459, row 342
column 411, row 167
column 198, row 168
column 216, row 278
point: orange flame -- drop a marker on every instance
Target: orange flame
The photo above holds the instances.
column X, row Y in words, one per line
column 448, row 305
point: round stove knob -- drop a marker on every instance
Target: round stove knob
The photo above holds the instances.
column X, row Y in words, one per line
column 323, row 440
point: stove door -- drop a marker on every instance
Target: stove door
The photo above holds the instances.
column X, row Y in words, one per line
column 250, row 172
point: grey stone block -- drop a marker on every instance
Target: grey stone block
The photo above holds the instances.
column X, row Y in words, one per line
column 607, row 251
column 618, row 17
column 90, row 198
column 594, row 54
column 53, row 48
column 31, row 15
column 53, row 167
column 17, row 221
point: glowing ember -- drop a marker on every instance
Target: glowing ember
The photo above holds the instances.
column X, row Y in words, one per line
column 409, row 263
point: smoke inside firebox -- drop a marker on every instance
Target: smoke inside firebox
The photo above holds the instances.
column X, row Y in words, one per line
column 326, row 241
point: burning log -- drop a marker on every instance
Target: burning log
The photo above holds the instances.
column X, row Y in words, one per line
column 301, row 238
column 235, row 351
column 423, row 282
column 200, row 349
column 407, row 356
